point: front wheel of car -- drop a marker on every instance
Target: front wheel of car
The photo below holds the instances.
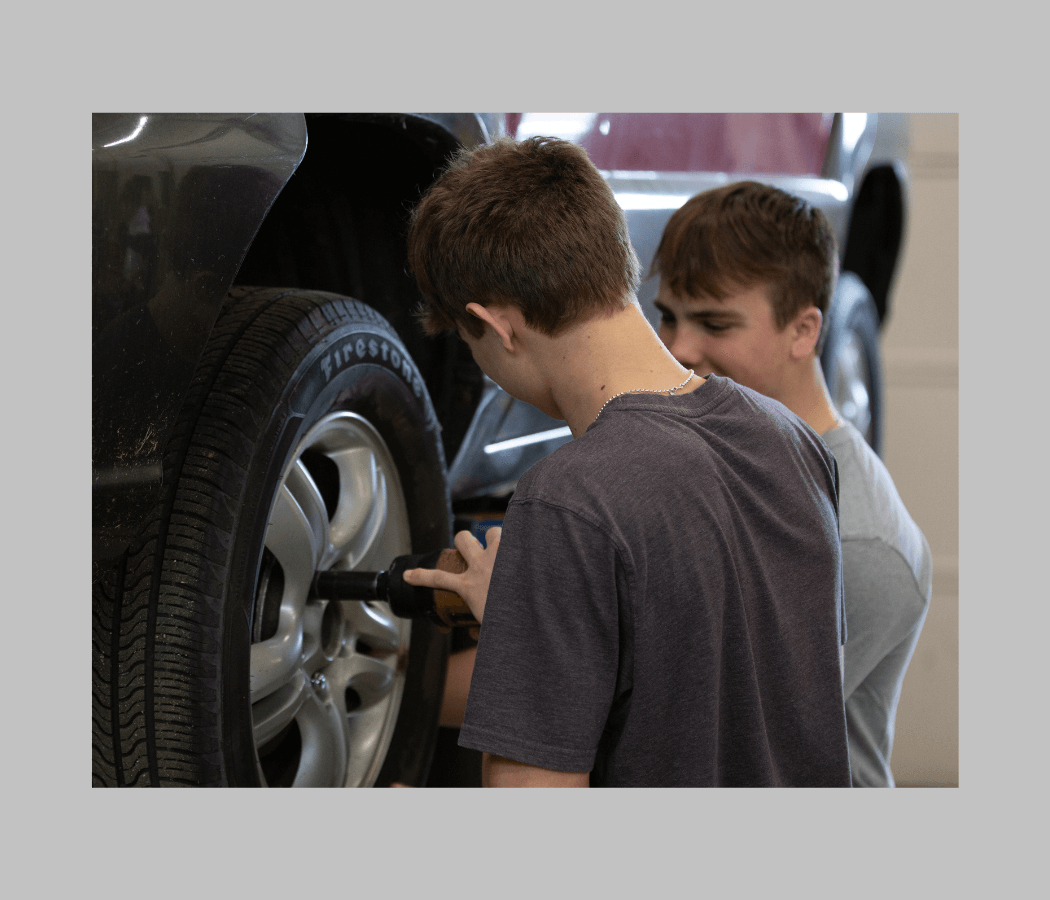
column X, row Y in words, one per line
column 307, row 442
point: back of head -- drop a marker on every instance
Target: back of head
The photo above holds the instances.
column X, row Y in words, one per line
column 531, row 224
column 747, row 234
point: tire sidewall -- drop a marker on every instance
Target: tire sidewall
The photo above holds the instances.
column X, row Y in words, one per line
column 359, row 367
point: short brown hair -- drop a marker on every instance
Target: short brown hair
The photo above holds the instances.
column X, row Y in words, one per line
column 745, row 234
column 531, row 224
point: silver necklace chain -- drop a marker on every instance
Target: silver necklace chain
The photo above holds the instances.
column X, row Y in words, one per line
column 670, row 391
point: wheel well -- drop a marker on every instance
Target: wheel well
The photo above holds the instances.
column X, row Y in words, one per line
column 340, row 225
column 876, row 232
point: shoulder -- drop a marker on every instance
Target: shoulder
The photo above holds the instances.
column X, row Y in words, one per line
column 870, row 507
column 565, row 487
column 769, row 425
column 868, row 493
column 547, row 478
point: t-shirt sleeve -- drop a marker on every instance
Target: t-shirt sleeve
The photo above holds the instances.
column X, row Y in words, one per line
column 546, row 667
column 884, row 606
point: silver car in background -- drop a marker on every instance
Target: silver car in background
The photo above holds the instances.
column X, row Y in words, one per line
column 850, row 165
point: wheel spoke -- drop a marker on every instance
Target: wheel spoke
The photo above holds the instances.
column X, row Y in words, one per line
column 375, row 690
column 365, row 730
column 376, row 625
column 271, row 715
column 291, row 538
column 309, row 500
column 325, row 738
column 275, row 663
column 296, row 546
column 310, row 656
column 369, row 678
column 361, row 513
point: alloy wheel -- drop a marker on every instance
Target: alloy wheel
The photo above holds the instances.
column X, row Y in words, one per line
column 327, row 676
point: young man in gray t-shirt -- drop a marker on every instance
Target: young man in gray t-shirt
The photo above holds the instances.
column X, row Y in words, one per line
column 664, row 604
column 746, row 275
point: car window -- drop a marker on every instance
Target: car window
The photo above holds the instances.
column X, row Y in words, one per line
column 736, row 143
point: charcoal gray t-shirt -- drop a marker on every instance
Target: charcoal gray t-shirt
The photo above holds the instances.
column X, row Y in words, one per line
column 666, row 604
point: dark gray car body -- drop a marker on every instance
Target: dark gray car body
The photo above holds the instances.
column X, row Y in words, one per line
column 186, row 205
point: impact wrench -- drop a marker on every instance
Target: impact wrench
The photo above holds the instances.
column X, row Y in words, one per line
column 445, row 608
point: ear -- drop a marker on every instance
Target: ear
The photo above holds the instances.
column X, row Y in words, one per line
column 806, row 330
column 497, row 318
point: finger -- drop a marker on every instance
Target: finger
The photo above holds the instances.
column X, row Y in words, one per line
column 432, row 578
column 493, row 535
column 468, row 545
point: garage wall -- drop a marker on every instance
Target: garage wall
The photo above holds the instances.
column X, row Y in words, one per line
column 921, row 355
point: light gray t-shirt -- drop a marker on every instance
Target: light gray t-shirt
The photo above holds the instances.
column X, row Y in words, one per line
column 666, row 605
column 887, row 573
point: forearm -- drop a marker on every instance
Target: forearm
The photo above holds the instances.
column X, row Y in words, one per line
column 498, row 771
column 457, row 684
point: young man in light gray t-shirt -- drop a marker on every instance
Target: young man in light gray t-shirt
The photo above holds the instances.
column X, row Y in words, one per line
column 746, row 276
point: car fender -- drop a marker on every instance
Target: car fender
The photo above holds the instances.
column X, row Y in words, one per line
column 176, row 201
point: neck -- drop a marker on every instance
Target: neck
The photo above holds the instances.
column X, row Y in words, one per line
column 808, row 398
column 602, row 357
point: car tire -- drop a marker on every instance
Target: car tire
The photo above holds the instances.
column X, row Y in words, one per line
column 852, row 359
column 306, row 442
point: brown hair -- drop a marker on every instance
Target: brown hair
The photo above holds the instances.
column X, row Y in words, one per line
column 741, row 235
column 531, row 224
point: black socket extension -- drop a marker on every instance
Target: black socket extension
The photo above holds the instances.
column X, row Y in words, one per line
column 444, row 608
